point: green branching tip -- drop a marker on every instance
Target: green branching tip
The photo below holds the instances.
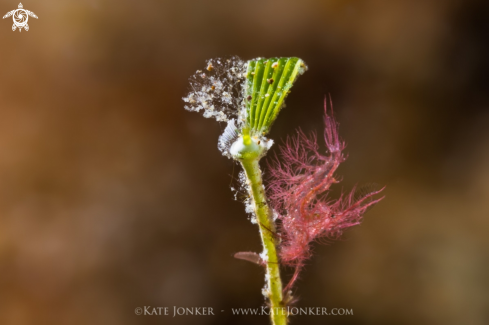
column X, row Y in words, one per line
column 268, row 82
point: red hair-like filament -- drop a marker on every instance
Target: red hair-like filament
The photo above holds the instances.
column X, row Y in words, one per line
column 300, row 179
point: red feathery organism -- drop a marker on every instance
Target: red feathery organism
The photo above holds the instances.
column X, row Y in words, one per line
column 300, row 178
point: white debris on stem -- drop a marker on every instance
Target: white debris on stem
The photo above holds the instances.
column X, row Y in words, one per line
column 264, row 255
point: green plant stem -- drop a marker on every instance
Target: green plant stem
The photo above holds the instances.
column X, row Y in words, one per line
column 267, row 233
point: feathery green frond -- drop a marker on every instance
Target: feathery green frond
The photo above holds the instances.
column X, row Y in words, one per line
column 268, row 82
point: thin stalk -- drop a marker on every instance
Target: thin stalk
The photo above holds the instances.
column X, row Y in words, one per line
column 267, row 233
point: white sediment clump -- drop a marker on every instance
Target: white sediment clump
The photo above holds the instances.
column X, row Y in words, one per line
column 228, row 137
column 218, row 89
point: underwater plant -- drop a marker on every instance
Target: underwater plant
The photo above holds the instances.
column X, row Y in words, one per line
column 294, row 210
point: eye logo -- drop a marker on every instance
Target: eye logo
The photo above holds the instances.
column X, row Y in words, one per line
column 20, row 17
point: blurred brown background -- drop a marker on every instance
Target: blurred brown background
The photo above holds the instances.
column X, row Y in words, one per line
column 113, row 197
